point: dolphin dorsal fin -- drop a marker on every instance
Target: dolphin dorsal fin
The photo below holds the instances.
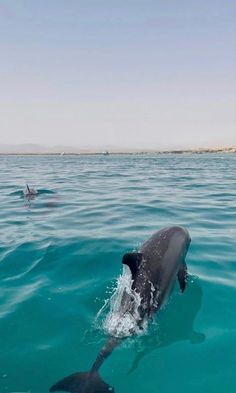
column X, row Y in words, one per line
column 133, row 260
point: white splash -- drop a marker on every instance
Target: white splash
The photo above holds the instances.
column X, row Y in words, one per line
column 123, row 319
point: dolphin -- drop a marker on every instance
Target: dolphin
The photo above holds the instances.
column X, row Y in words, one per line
column 154, row 270
column 30, row 193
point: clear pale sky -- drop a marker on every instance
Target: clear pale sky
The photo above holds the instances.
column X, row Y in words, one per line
column 150, row 73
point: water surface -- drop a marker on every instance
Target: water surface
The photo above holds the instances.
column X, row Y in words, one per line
column 60, row 256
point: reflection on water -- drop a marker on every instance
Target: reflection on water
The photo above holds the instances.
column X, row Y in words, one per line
column 174, row 323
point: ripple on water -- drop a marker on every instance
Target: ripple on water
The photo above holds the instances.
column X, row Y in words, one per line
column 60, row 256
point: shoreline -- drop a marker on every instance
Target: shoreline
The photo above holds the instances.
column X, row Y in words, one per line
column 128, row 152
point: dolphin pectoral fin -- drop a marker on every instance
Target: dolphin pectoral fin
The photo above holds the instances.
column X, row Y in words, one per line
column 182, row 276
column 85, row 382
column 133, row 260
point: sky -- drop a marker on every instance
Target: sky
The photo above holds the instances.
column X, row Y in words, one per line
column 122, row 73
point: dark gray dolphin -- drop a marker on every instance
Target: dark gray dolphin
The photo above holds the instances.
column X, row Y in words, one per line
column 154, row 269
column 30, row 193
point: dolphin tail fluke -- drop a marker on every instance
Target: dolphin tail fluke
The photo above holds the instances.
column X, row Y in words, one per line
column 84, row 382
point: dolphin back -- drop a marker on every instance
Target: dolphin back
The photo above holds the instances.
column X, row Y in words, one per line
column 175, row 239
column 163, row 261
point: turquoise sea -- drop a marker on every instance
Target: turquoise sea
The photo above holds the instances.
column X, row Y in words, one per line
column 60, row 258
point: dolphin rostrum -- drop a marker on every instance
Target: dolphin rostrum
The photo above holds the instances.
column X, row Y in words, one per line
column 154, row 269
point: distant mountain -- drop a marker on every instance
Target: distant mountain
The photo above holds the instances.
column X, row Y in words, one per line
column 29, row 148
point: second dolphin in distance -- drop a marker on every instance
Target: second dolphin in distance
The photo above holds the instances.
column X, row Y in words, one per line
column 154, row 269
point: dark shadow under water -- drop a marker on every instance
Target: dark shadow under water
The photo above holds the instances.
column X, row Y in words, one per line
column 174, row 323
